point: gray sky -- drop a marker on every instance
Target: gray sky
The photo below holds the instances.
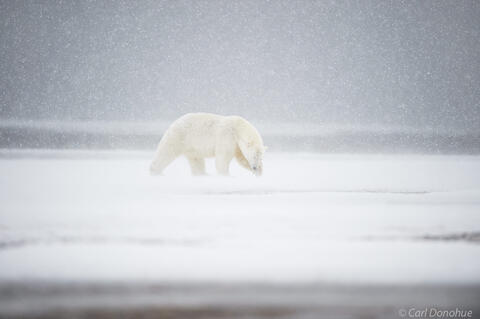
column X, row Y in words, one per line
column 402, row 63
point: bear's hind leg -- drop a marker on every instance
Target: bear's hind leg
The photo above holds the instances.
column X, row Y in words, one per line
column 197, row 165
column 161, row 161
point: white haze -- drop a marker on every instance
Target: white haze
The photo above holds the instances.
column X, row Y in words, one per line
column 400, row 63
column 345, row 216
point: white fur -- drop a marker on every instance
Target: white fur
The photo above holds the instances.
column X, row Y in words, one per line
column 202, row 135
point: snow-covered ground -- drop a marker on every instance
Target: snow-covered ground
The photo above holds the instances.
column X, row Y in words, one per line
column 85, row 216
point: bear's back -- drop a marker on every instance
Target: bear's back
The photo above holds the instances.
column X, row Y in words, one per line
column 197, row 133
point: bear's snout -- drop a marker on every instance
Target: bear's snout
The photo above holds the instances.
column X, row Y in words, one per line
column 257, row 170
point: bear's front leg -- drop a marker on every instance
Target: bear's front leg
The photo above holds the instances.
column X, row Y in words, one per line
column 222, row 163
column 197, row 165
column 162, row 159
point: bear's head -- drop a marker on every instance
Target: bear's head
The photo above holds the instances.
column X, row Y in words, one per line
column 251, row 144
column 253, row 150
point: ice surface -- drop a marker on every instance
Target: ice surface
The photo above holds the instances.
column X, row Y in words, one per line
column 82, row 216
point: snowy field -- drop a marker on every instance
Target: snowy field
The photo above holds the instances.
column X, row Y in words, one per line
column 83, row 218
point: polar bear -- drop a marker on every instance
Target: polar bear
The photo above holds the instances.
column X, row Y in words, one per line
column 201, row 135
